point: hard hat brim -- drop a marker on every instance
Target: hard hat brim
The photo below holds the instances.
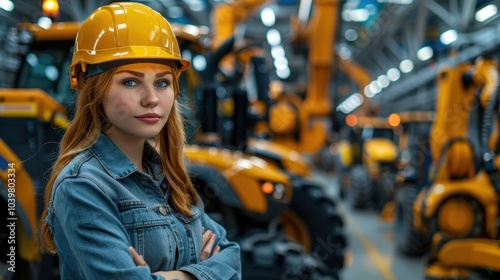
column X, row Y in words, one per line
column 128, row 54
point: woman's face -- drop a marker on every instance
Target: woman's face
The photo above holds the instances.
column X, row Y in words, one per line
column 139, row 100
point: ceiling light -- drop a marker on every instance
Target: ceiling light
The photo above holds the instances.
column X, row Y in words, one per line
column 344, row 52
column 448, row 37
column 486, row 12
column 283, row 73
column 358, row 15
column 44, row 22
column 350, row 103
column 383, row 80
column 281, row 63
column 199, row 62
column 393, row 74
column 375, row 87
column 424, row 53
column 268, row 17
column 406, row 66
column 7, row 5
column 351, row 35
column 277, row 51
column 273, row 37
column 368, row 92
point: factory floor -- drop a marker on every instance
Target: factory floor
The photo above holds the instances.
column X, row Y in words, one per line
column 373, row 255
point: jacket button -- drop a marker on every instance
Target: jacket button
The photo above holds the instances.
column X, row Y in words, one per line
column 163, row 211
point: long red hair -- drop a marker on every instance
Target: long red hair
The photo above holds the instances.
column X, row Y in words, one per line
column 85, row 129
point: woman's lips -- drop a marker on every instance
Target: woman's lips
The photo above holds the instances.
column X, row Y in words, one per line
column 149, row 118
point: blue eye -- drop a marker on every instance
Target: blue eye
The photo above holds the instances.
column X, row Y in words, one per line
column 163, row 83
column 129, row 83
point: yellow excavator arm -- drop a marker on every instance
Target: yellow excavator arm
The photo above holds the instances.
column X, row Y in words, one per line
column 226, row 16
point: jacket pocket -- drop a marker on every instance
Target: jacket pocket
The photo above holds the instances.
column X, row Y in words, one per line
column 134, row 214
column 149, row 234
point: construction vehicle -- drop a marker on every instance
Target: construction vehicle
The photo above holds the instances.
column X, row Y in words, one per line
column 459, row 209
column 300, row 225
column 370, row 157
column 248, row 188
column 299, row 122
column 32, row 120
column 310, row 218
column 413, row 165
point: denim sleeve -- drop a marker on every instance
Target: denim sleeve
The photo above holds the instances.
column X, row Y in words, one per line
column 226, row 265
column 89, row 235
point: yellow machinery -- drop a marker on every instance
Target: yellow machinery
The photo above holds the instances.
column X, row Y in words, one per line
column 310, row 218
column 243, row 187
column 32, row 122
column 413, row 167
column 459, row 210
column 370, row 155
column 18, row 196
column 294, row 123
column 302, row 223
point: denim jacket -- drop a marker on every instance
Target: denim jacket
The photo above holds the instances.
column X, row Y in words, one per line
column 102, row 203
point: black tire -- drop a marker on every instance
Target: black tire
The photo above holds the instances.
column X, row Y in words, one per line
column 324, row 160
column 323, row 225
column 477, row 229
column 267, row 256
column 484, row 275
column 408, row 240
column 385, row 189
column 362, row 189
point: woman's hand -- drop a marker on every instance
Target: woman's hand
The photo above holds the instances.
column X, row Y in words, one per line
column 138, row 259
column 208, row 241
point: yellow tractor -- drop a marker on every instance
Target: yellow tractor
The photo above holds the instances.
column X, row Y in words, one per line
column 413, row 165
column 371, row 159
column 311, row 218
column 459, row 209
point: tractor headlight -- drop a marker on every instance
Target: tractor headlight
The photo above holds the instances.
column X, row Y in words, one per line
column 277, row 190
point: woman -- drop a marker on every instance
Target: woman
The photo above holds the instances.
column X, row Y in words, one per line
column 115, row 208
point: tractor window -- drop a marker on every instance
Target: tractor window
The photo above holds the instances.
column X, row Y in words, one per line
column 47, row 68
column 386, row 133
column 41, row 70
column 371, row 132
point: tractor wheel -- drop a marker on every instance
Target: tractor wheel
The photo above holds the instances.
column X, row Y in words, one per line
column 479, row 274
column 471, row 223
column 361, row 191
column 267, row 256
column 313, row 221
column 385, row 189
column 324, row 160
column 408, row 240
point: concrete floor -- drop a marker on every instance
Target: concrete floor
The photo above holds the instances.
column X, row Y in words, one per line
column 371, row 245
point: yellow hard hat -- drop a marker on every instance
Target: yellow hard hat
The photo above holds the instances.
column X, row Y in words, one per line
column 121, row 33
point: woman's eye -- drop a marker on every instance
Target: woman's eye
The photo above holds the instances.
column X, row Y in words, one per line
column 129, row 83
column 163, row 83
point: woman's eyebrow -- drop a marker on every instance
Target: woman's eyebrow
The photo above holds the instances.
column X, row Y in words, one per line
column 141, row 75
column 163, row 74
column 138, row 74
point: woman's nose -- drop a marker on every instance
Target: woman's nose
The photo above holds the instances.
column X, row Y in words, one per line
column 149, row 98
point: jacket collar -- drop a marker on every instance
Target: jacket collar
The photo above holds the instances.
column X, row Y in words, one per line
column 116, row 163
